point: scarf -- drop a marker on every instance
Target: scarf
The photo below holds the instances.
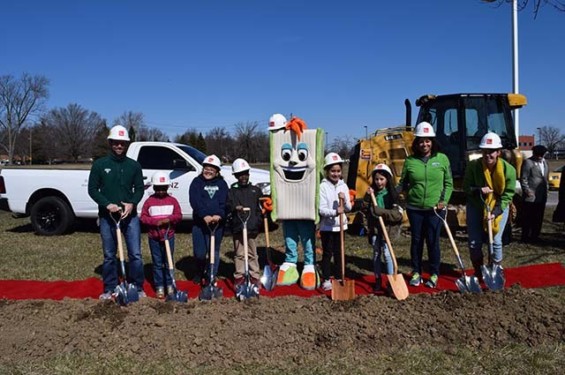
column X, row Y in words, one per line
column 497, row 182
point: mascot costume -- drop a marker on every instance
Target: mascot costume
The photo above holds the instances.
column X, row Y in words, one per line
column 296, row 155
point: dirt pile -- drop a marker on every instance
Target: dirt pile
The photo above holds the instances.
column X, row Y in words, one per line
column 277, row 329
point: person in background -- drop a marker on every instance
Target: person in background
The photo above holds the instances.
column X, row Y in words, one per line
column 208, row 193
column 489, row 181
column 426, row 177
column 116, row 184
column 243, row 194
column 161, row 213
column 534, row 182
column 382, row 187
column 333, row 190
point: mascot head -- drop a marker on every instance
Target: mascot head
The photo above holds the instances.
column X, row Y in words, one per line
column 296, row 161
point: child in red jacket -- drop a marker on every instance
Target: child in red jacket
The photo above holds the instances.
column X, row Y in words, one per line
column 160, row 213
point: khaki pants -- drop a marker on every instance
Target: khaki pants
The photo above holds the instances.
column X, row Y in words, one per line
column 239, row 258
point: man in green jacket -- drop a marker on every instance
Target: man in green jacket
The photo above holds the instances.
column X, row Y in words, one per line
column 116, row 184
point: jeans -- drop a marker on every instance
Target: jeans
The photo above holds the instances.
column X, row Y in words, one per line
column 476, row 231
column 303, row 230
column 424, row 224
column 131, row 231
column 161, row 274
column 201, row 245
column 380, row 247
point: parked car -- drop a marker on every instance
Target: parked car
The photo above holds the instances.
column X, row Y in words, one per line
column 555, row 178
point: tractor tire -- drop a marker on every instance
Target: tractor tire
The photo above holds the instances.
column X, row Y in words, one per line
column 51, row 216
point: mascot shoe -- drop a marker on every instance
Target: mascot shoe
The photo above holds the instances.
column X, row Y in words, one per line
column 309, row 279
column 288, row 274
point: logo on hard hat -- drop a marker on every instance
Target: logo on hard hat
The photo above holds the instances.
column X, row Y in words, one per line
column 161, row 179
column 121, row 133
column 489, row 141
column 426, row 130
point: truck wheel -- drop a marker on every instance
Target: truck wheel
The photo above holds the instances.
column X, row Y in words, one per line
column 51, row 216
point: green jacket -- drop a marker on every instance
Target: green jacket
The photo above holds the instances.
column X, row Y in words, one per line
column 474, row 178
column 427, row 183
column 115, row 180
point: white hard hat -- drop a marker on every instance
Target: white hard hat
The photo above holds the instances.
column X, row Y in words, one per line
column 424, row 130
column 331, row 159
column 212, row 160
column 160, row 179
column 490, row 141
column 119, row 133
column 381, row 167
column 277, row 121
column 239, row 165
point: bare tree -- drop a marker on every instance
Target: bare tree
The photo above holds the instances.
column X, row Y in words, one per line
column 537, row 4
column 250, row 145
column 220, row 142
column 342, row 145
column 551, row 138
column 45, row 145
column 134, row 122
column 75, row 128
column 20, row 100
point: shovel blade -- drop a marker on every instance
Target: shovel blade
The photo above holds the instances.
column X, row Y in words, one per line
column 398, row 286
column 126, row 293
column 177, row 296
column 209, row 292
column 269, row 277
column 343, row 290
column 246, row 291
column 493, row 276
column 468, row 284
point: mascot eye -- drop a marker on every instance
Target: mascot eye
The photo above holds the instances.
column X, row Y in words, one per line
column 286, row 154
column 302, row 155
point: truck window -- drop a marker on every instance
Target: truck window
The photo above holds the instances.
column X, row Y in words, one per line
column 157, row 157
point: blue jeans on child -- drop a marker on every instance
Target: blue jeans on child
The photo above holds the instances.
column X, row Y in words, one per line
column 131, row 230
column 425, row 225
column 379, row 248
column 201, row 245
column 161, row 274
column 476, row 232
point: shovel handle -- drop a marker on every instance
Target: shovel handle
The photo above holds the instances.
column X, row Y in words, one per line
column 385, row 234
column 342, row 241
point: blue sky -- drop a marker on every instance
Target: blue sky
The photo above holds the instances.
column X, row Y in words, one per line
column 339, row 65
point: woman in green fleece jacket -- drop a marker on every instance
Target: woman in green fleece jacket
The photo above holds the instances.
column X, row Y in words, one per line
column 427, row 183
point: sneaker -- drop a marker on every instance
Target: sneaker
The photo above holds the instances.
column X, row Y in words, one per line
column 170, row 290
column 160, row 292
column 105, row 296
column 141, row 294
column 432, row 282
column 327, row 285
column 416, row 280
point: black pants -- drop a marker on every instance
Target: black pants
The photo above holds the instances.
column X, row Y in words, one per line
column 532, row 218
column 331, row 247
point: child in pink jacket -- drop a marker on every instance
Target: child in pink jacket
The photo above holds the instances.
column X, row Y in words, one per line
column 160, row 213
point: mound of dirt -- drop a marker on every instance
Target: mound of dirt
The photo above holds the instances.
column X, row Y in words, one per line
column 232, row 332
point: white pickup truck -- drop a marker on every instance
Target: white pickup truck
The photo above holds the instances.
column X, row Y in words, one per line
column 54, row 198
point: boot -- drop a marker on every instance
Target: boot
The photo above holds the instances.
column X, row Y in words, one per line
column 478, row 272
column 378, row 285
